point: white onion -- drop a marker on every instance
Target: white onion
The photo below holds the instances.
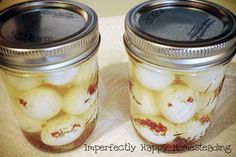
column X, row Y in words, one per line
column 62, row 130
column 154, row 80
column 40, row 103
column 78, row 100
column 162, row 133
column 86, row 71
column 143, row 101
column 62, row 77
column 205, row 82
column 25, row 122
column 178, row 103
column 23, row 83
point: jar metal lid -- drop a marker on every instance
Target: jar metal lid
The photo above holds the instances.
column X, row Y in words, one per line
column 47, row 35
column 181, row 34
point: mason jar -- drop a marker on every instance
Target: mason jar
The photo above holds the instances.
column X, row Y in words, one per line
column 48, row 60
column 178, row 53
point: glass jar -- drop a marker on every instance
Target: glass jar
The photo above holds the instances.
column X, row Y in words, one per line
column 48, row 60
column 178, row 52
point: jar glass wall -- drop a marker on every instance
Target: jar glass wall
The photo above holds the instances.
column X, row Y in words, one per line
column 170, row 108
column 56, row 110
column 48, row 56
column 178, row 53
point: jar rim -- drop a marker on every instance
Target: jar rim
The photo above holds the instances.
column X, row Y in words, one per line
column 47, row 35
column 174, row 48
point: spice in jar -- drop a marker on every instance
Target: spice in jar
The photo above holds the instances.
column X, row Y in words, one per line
column 48, row 59
column 178, row 53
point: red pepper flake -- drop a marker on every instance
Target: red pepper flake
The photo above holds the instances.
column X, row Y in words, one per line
column 56, row 134
column 140, row 121
column 205, row 119
column 92, row 88
column 170, row 105
column 161, row 129
column 190, row 100
column 23, row 102
column 76, row 126
column 158, row 128
column 149, row 122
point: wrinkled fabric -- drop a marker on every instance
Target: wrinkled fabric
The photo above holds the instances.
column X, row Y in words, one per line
column 114, row 125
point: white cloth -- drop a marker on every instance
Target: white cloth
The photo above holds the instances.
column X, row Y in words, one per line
column 114, row 125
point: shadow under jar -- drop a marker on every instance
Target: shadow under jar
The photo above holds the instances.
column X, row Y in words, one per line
column 48, row 59
column 178, row 52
